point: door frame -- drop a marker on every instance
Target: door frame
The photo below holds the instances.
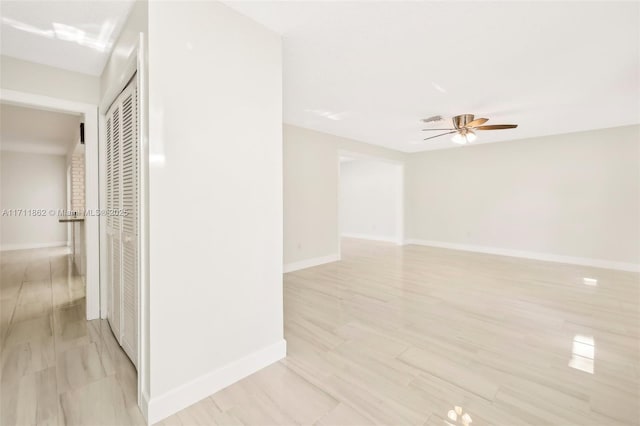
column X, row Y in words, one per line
column 399, row 208
column 68, row 206
column 92, row 181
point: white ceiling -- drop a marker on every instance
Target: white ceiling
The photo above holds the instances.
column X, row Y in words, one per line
column 39, row 131
column 73, row 35
column 371, row 70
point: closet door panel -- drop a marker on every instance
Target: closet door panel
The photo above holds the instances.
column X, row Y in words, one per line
column 109, row 161
column 113, row 222
column 130, row 222
column 116, row 285
column 122, row 223
column 109, row 205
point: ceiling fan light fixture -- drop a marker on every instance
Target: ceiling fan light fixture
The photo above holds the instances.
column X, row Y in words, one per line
column 463, row 138
column 459, row 139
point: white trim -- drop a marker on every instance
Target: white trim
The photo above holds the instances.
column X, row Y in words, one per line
column 129, row 68
column 92, row 187
column 372, row 157
column 143, row 230
column 28, row 246
column 102, row 125
column 191, row 392
column 338, row 221
column 308, row 263
column 92, row 223
column 31, row 147
column 386, row 239
column 400, row 209
column 144, row 405
column 14, row 97
column 548, row 257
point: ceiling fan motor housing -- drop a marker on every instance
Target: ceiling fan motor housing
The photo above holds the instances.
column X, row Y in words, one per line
column 460, row 121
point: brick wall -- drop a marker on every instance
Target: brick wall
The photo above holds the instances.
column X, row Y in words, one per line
column 77, row 183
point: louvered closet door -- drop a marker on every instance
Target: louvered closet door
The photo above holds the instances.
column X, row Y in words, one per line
column 114, row 272
column 129, row 112
column 109, row 205
column 122, row 231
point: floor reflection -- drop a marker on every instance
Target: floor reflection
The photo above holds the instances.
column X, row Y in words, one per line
column 583, row 353
column 458, row 416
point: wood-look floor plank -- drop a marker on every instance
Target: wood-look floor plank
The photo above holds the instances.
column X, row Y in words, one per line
column 57, row 368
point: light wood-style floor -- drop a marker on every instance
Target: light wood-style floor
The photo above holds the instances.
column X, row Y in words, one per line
column 389, row 335
column 57, row 368
column 402, row 335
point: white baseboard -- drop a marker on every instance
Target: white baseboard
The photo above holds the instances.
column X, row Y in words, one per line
column 144, row 406
column 28, row 246
column 171, row 402
column 373, row 238
column 584, row 261
column 308, row 263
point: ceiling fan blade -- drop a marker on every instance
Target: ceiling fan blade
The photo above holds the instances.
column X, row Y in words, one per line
column 437, row 129
column 442, row 134
column 496, row 127
column 477, row 122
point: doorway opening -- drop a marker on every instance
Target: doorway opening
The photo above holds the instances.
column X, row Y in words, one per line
column 57, row 287
column 50, row 329
column 88, row 116
column 371, row 198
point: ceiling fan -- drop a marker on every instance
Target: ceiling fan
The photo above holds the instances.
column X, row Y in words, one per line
column 465, row 126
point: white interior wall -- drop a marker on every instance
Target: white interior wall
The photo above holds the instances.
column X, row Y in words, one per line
column 215, row 201
column 371, row 198
column 311, row 193
column 32, row 181
column 572, row 197
column 29, row 77
column 116, row 71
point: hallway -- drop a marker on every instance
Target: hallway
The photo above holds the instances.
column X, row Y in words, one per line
column 58, row 368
